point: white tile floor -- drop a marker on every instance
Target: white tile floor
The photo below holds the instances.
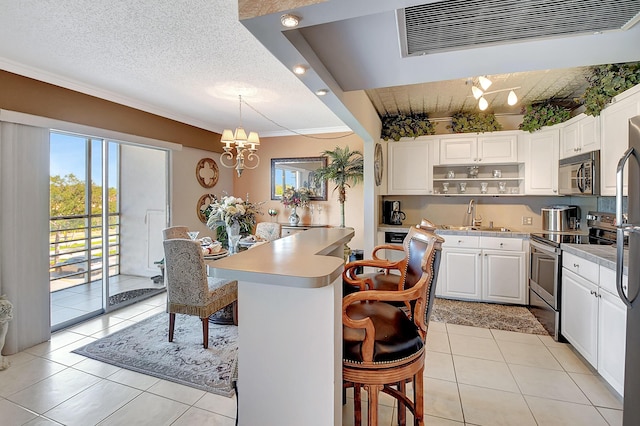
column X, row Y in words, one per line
column 474, row 376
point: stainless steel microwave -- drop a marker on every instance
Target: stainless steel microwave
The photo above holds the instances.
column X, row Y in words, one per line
column 580, row 175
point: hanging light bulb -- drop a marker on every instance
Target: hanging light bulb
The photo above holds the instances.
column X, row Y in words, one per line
column 512, row 99
column 483, row 104
column 484, row 82
column 476, row 92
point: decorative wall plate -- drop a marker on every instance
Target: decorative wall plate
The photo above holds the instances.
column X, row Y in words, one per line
column 203, row 202
column 378, row 164
column 207, row 172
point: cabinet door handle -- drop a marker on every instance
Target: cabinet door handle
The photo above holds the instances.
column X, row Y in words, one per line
column 593, row 293
column 501, row 244
column 576, row 265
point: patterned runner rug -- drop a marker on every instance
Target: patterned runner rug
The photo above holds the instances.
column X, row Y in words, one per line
column 144, row 347
column 487, row 315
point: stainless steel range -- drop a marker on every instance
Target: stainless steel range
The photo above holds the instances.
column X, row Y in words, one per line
column 545, row 273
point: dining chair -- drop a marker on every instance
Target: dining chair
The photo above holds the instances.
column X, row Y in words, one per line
column 175, row 232
column 383, row 344
column 189, row 290
column 268, row 231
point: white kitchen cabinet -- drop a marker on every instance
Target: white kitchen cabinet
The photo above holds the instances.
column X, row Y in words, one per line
column 491, row 269
column 615, row 137
column 541, row 162
column 503, row 276
column 579, row 135
column 579, row 315
column 594, row 319
column 410, row 167
column 494, row 148
column 612, row 326
column 460, row 274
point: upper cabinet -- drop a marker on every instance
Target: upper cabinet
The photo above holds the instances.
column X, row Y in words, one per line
column 579, row 135
column 493, row 148
column 541, row 162
column 411, row 167
column 615, row 137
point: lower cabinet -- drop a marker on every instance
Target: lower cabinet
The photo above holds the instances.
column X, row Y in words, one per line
column 579, row 315
column 484, row 273
column 594, row 321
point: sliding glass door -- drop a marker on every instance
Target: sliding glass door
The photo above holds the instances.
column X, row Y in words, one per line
column 87, row 222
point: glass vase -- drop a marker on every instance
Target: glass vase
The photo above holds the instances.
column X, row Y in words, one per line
column 233, row 233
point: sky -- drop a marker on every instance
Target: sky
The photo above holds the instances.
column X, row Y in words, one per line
column 68, row 155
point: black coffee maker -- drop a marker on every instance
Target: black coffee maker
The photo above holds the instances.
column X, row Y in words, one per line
column 391, row 213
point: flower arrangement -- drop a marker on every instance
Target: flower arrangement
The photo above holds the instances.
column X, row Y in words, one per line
column 231, row 210
column 296, row 197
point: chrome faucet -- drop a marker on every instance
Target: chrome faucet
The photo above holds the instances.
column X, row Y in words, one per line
column 471, row 210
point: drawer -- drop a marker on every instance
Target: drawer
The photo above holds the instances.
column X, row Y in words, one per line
column 608, row 280
column 585, row 268
column 290, row 231
column 462, row 241
column 500, row 243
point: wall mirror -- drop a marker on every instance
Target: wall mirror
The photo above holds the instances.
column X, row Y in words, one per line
column 297, row 173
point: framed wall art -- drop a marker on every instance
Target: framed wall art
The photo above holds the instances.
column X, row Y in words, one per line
column 207, row 172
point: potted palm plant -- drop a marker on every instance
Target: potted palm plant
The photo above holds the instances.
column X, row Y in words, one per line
column 344, row 168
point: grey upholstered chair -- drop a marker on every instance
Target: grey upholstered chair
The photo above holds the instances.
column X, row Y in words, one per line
column 175, row 232
column 268, row 231
column 189, row 290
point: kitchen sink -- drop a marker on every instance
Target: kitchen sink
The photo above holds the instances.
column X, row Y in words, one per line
column 474, row 228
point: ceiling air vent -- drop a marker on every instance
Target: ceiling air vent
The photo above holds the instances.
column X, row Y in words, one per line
column 463, row 24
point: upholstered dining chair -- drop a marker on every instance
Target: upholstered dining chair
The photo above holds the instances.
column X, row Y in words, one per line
column 175, row 232
column 268, row 231
column 383, row 344
column 189, row 290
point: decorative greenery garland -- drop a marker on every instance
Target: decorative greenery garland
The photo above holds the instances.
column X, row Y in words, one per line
column 474, row 122
column 400, row 126
column 543, row 114
column 605, row 82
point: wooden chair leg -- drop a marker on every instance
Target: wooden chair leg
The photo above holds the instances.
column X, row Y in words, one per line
column 205, row 332
column 172, row 323
column 357, row 405
column 418, row 398
column 373, row 392
column 402, row 410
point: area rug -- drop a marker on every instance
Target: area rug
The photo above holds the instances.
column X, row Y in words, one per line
column 144, row 347
column 487, row 315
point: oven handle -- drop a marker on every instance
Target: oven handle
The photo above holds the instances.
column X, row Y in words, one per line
column 545, row 248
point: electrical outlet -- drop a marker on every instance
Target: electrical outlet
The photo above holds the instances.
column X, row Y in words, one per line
column 527, row 220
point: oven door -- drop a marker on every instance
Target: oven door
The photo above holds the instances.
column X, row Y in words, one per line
column 544, row 273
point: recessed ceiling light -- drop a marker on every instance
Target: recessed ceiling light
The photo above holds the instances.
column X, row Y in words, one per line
column 289, row 20
column 299, row 69
column 322, row 92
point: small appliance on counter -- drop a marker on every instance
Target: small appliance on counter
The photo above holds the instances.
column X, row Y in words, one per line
column 560, row 218
column 391, row 213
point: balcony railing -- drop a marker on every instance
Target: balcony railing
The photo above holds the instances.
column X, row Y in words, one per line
column 75, row 249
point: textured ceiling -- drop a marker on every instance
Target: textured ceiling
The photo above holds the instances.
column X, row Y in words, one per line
column 190, row 59
column 186, row 59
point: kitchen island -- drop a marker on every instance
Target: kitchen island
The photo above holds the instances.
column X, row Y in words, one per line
column 290, row 328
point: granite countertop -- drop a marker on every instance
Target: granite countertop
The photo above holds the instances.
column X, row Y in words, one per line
column 602, row 255
column 514, row 233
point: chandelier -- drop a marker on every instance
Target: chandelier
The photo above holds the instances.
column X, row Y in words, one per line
column 245, row 147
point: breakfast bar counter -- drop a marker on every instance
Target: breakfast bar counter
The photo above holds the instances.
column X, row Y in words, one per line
column 290, row 328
